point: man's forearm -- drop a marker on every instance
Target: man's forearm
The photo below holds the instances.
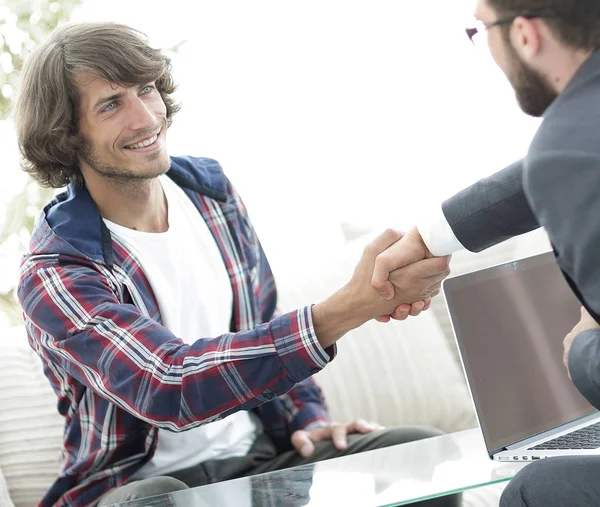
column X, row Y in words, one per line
column 335, row 316
column 492, row 210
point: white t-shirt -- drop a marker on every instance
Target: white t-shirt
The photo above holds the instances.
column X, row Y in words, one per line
column 190, row 282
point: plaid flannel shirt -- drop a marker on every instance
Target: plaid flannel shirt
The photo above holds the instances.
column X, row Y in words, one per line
column 119, row 375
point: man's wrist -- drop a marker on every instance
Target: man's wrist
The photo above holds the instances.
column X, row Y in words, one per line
column 335, row 316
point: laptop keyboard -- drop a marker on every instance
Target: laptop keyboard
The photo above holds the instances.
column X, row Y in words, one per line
column 585, row 438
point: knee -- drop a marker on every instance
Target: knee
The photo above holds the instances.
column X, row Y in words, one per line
column 528, row 485
column 160, row 485
column 422, row 432
column 405, row 434
column 141, row 489
column 512, row 496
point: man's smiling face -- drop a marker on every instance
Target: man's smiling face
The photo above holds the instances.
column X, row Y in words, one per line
column 123, row 129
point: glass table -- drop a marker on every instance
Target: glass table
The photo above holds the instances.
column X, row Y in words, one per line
column 392, row 476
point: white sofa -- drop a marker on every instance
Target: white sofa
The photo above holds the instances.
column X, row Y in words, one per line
column 398, row 373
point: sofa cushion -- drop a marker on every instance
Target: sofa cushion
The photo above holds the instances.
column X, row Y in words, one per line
column 397, row 373
column 30, row 426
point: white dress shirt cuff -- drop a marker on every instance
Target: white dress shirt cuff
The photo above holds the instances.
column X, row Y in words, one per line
column 437, row 233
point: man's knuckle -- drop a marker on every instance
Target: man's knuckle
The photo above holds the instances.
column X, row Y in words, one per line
column 390, row 233
column 442, row 264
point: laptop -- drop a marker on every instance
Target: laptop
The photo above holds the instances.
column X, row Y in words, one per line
column 509, row 322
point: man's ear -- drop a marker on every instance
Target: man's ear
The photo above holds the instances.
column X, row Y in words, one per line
column 72, row 146
column 526, row 38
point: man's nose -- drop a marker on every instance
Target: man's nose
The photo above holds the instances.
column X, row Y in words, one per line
column 141, row 117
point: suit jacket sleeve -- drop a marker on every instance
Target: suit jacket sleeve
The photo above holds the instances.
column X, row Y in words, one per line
column 491, row 211
column 563, row 190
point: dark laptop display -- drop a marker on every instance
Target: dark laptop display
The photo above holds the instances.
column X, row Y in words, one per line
column 510, row 321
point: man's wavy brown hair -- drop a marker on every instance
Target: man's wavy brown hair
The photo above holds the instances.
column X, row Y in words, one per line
column 47, row 104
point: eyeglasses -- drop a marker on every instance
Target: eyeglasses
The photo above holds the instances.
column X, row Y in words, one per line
column 480, row 27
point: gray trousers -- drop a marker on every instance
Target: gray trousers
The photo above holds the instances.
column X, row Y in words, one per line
column 263, row 457
column 572, row 481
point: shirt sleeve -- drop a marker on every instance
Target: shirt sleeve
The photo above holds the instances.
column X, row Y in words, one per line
column 437, row 233
column 310, row 410
column 307, row 408
column 82, row 329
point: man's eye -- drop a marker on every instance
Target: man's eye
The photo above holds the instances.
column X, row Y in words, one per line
column 147, row 89
column 110, row 107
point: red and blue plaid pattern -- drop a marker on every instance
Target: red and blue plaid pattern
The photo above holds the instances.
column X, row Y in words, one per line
column 119, row 375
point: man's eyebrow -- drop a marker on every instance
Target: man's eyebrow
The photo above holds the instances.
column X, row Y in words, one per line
column 110, row 98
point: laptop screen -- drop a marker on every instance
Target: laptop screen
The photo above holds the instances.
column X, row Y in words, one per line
column 510, row 321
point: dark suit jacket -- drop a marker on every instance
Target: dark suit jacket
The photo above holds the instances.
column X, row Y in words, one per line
column 557, row 185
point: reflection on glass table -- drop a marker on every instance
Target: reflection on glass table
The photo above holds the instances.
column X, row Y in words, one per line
column 397, row 475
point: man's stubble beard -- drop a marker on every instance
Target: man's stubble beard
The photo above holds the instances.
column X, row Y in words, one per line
column 534, row 93
column 120, row 174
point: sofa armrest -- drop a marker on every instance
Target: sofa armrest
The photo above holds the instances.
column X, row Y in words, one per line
column 30, row 426
column 5, row 500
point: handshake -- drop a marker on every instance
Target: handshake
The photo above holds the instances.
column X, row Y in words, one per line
column 395, row 277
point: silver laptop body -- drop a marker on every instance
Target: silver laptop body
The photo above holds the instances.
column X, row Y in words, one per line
column 509, row 322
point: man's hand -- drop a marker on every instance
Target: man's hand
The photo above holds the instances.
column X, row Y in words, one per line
column 402, row 312
column 414, row 284
column 358, row 302
column 586, row 323
column 303, row 441
column 409, row 249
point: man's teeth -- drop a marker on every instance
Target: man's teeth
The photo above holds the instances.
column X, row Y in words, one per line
column 141, row 144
